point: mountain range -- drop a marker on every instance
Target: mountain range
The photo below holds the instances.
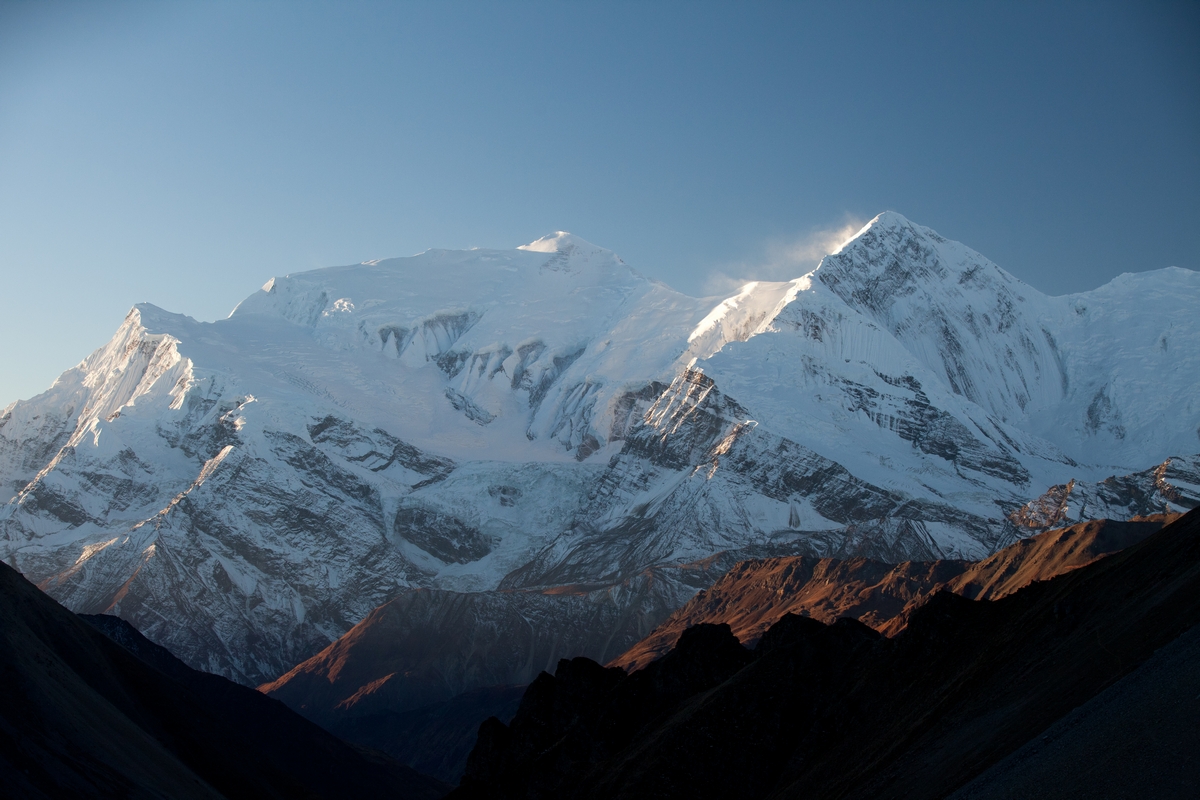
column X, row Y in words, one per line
column 543, row 434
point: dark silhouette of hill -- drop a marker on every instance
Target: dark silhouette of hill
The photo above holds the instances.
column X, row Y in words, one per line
column 435, row 739
column 86, row 715
column 1114, row 744
column 840, row 711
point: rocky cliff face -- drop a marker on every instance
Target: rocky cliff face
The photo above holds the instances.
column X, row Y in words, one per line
column 1174, row 483
column 246, row 491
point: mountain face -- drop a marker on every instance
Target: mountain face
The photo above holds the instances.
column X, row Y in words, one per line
column 245, row 491
column 982, row 697
column 90, row 708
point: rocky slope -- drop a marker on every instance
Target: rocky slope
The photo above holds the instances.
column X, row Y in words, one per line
column 841, row 711
column 85, row 714
column 754, row 595
column 245, row 491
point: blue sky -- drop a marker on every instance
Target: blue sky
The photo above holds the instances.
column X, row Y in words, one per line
column 183, row 153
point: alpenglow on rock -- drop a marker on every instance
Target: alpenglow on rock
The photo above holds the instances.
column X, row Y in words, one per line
column 244, row 491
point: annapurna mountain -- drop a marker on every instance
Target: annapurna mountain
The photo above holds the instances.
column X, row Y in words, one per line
column 548, row 421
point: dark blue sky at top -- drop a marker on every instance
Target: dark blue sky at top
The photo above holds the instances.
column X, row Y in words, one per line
column 183, row 153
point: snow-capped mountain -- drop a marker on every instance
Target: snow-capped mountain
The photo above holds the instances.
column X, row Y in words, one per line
column 244, row 491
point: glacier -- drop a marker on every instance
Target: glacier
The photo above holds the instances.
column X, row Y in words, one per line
column 548, row 421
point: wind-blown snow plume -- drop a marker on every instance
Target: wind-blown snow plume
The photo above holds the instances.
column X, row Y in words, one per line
column 783, row 258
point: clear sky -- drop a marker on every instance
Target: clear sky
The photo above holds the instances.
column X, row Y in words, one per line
column 183, row 153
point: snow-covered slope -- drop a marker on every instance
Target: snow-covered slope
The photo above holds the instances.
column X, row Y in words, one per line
column 1107, row 375
column 245, row 491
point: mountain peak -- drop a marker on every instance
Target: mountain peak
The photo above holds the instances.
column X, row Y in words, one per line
column 887, row 221
column 561, row 242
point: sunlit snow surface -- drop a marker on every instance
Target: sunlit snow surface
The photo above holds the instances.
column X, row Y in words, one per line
column 245, row 490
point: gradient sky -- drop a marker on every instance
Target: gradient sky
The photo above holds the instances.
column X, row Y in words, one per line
column 184, row 153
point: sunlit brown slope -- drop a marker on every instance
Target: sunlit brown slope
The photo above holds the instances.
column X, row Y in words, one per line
column 753, row 595
column 82, row 716
column 1052, row 553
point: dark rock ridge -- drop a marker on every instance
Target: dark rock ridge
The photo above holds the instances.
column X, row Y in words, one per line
column 427, row 646
column 817, row 711
column 1116, row 744
column 91, row 708
column 753, row 595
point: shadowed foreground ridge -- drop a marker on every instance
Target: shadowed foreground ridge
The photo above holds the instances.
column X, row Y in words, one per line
column 86, row 715
column 755, row 594
column 392, row 683
column 818, row 711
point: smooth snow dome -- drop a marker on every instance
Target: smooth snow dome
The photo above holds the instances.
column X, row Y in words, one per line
column 495, row 319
